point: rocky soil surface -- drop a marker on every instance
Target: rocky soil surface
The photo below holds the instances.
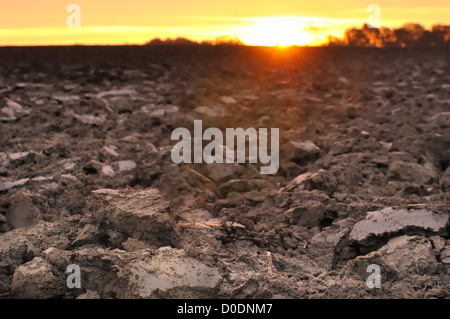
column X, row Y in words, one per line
column 86, row 175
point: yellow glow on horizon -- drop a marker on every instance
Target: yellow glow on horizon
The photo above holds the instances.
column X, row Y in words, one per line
column 280, row 22
column 100, row 35
column 256, row 31
column 260, row 31
column 277, row 31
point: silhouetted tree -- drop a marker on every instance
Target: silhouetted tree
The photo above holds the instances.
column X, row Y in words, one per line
column 355, row 37
column 176, row 41
column 430, row 39
column 442, row 32
column 415, row 30
column 401, row 37
column 372, row 35
column 156, row 41
column 387, row 37
column 225, row 40
column 409, row 35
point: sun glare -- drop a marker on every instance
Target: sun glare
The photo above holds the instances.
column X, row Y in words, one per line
column 277, row 31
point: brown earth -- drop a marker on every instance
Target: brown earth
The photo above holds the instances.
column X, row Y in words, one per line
column 86, row 175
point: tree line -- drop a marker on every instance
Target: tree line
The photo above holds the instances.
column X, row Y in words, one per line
column 223, row 40
column 408, row 35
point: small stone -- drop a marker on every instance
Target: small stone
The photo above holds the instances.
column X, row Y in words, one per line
column 66, row 98
column 41, row 178
column 386, row 145
column 342, row 80
column 108, row 171
column 116, row 93
column 228, row 100
column 10, row 114
column 14, row 249
column 69, row 166
column 143, row 215
column 35, row 280
column 87, row 118
column 170, row 270
column 210, row 111
column 412, row 172
column 13, row 111
column 157, row 110
column 306, row 146
column 18, row 156
column 411, row 254
column 255, row 196
column 357, row 268
column 111, row 150
column 57, row 257
column 8, row 185
column 166, row 110
column 301, row 152
column 390, row 220
column 16, row 106
column 70, row 87
column 69, row 177
column 309, row 214
column 127, row 165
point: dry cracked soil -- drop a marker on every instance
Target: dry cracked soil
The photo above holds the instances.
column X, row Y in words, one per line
column 87, row 179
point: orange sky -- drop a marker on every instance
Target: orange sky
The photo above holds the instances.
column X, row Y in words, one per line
column 258, row 22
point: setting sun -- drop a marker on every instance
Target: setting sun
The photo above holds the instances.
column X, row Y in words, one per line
column 277, row 31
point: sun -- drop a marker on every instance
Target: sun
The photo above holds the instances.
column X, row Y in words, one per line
column 276, row 31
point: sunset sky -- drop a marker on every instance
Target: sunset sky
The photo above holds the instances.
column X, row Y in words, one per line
column 255, row 22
